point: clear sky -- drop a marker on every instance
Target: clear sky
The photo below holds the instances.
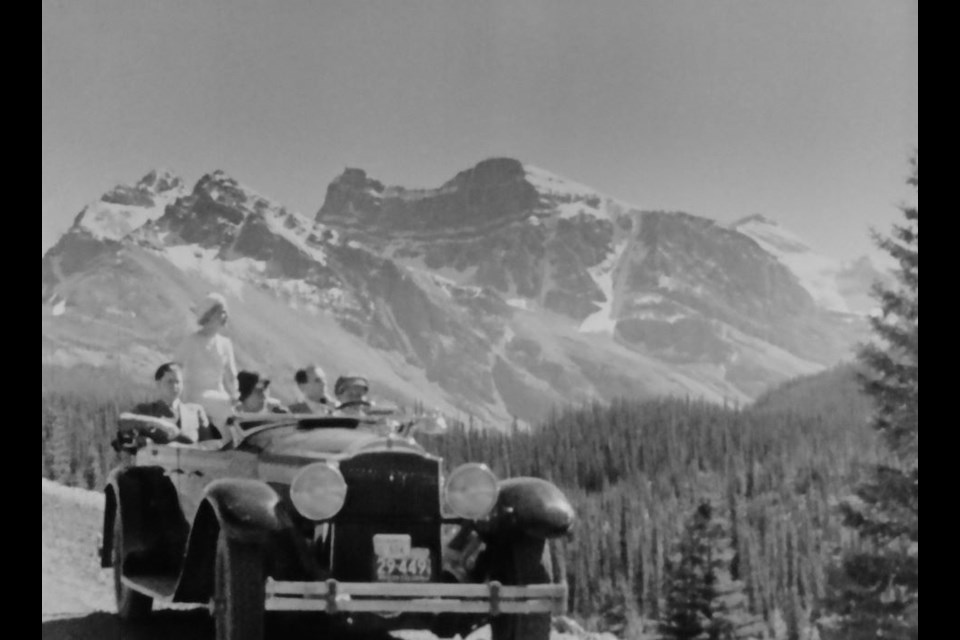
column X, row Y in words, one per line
column 804, row 110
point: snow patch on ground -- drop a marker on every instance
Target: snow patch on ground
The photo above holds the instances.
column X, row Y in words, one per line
column 552, row 184
column 519, row 303
column 443, row 280
column 655, row 310
column 669, row 318
column 126, row 313
column 571, row 209
column 648, row 298
column 603, row 320
column 472, row 290
column 668, row 283
column 576, row 198
column 442, row 276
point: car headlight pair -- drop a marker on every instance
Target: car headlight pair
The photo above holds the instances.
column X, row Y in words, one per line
column 318, row 491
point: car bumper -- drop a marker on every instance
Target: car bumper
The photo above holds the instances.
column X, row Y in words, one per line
column 490, row 598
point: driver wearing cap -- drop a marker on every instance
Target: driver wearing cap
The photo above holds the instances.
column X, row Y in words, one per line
column 351, row 392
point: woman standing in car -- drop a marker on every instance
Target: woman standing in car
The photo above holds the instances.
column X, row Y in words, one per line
column 209, row 366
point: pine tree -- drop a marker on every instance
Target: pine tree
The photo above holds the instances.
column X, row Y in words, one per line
column 875, row 592
column 704, row 602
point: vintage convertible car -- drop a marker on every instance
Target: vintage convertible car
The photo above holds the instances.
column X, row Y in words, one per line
column 347, row 516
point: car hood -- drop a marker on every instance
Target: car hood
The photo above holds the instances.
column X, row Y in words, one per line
column 327, row 443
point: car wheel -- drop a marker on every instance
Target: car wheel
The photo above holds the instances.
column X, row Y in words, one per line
column 526, row 561
column 238, row 590
column 131, row 605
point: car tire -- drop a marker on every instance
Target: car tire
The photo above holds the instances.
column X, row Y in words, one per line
column 131, row 605
column 238, row 590
column 527, row 560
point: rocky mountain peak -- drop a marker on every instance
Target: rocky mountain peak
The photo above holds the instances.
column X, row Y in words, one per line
column 221, row 187
column 489, row 173
column 219, row 209
column 494, row 189
column 127, row 207
column 160, row 181
column 157, row 183
column 349, row 194
column 354, row 178
column 222, row 192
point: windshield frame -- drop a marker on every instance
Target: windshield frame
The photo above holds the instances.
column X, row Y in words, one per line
column 277, row 420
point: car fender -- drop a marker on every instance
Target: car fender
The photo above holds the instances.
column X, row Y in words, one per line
column 154, row 527
column 246, row 510
column 530, row 505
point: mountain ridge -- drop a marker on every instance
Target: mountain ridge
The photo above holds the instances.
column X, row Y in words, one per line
column 503, row 291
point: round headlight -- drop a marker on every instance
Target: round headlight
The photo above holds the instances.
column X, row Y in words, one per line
column 318, row 491
column 471, row 491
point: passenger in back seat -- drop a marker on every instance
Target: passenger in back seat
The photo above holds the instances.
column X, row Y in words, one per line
column 166, row 419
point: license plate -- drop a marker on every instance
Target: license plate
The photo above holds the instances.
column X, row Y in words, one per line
column 397, row 561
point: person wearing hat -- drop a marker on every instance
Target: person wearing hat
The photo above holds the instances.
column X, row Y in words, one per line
column 255, row 395
column 209, row 366
column 351, row 392
column 312, row 384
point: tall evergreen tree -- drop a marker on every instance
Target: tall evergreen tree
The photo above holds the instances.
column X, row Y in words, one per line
column 875, row 593
column 704, row 602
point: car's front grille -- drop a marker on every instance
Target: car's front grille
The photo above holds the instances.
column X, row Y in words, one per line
column 387, row 492
column 391, row 485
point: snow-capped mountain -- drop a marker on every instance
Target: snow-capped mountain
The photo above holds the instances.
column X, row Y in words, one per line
column 500, row 293
column 126, row 208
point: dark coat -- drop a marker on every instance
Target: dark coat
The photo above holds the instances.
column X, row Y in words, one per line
column 192, row 421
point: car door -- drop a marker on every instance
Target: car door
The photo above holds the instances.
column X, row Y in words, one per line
column 201, row 464
column 164, row 456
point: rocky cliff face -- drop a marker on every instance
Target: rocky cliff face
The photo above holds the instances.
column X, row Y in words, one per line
column 503, row 291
